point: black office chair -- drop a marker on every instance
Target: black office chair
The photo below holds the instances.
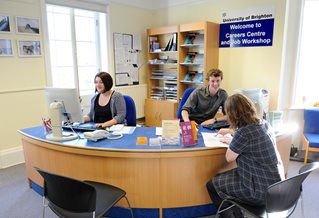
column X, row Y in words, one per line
column 281, row 197
column 71, row 198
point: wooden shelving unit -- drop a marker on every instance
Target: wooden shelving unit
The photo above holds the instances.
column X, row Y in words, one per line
column 201, row 39
column 162, row 75
column 173, row 67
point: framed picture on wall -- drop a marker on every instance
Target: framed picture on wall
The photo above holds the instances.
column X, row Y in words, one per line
column 6, row 47
column 30, row 48
column 27, row 25
column 5, row 24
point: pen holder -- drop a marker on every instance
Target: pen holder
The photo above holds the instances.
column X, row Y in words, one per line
column 47, row 126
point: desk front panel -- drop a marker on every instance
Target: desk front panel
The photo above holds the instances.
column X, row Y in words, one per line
column 153, row 177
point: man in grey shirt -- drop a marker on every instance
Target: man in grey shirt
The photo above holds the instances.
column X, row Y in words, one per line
column 204, row 102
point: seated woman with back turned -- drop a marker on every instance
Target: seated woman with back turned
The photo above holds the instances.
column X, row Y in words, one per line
column 107, row 106
column 253, row 147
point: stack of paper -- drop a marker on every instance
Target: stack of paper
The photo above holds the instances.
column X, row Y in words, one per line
column 213, row 139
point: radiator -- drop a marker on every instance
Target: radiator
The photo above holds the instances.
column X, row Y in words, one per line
column 138, row 93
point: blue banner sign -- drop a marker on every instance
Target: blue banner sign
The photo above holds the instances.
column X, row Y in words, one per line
column 246, row 29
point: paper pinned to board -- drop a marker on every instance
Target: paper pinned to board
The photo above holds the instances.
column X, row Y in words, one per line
column 213, row 139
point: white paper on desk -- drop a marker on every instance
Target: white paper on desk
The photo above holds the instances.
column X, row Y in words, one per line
column 212, row 140
column 117, row 127
column 158, row 131
column 126, row 130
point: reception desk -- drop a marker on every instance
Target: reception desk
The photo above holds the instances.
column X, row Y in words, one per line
column 160, row 181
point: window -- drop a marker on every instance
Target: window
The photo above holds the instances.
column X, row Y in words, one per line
column 307, row 86
column 77, row 44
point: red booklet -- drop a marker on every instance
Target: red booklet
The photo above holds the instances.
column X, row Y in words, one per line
column 189, row 134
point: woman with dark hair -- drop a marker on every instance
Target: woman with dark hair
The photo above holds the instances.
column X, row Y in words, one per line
column 107, row 106
column 253, row 147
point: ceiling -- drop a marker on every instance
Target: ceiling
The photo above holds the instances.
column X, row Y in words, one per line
column 150, row 4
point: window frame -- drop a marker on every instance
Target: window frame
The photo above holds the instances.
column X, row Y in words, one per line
column 85, row 5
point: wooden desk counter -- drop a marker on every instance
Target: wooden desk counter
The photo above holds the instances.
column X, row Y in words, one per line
column 163, row 180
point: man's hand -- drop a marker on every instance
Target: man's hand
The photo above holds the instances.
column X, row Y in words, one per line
column 208, row 122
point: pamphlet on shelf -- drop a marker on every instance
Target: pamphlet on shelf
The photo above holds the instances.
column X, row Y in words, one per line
column 194, row 77
column 190, row 57
column 190, row 39
column 199, row 59
column 199, row 39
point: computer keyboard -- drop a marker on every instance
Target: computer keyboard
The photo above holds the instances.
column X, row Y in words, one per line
column 217, row 125
column 82, row 127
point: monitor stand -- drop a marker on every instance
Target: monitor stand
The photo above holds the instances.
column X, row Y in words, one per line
column 63, row 137
column 56, row 123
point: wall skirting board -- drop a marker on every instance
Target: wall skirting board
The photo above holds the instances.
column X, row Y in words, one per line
column 11, row 157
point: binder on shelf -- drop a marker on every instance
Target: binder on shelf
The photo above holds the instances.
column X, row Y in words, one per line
column 174, row 46
column 153, row 43
column 172, row 43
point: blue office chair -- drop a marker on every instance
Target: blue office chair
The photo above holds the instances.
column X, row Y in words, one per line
column 130, row 111
column 311, row 131
column 185, row 96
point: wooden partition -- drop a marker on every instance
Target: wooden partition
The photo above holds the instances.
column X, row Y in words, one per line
column 160, row 179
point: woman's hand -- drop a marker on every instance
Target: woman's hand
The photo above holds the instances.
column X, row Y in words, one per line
column 99, row 125
column 226, row 140
column 224, row 131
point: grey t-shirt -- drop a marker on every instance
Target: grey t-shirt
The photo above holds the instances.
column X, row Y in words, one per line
column 201, row 106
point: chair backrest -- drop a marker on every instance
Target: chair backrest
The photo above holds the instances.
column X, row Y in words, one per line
column 185, row 96
column 310, row 166
column 130, row 111
column 284, row 195
column 67, row 193
column 311, row 120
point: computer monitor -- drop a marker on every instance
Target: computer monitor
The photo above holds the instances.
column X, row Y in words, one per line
column 70, row 100
column 64, row 106
column 260, row 98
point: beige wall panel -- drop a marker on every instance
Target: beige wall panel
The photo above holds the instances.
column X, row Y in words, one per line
column 20, row 110
column 131, row 20
column 246, row 67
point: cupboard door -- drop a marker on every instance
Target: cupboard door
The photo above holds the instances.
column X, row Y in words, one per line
column 151, row 113
column 167, row 110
